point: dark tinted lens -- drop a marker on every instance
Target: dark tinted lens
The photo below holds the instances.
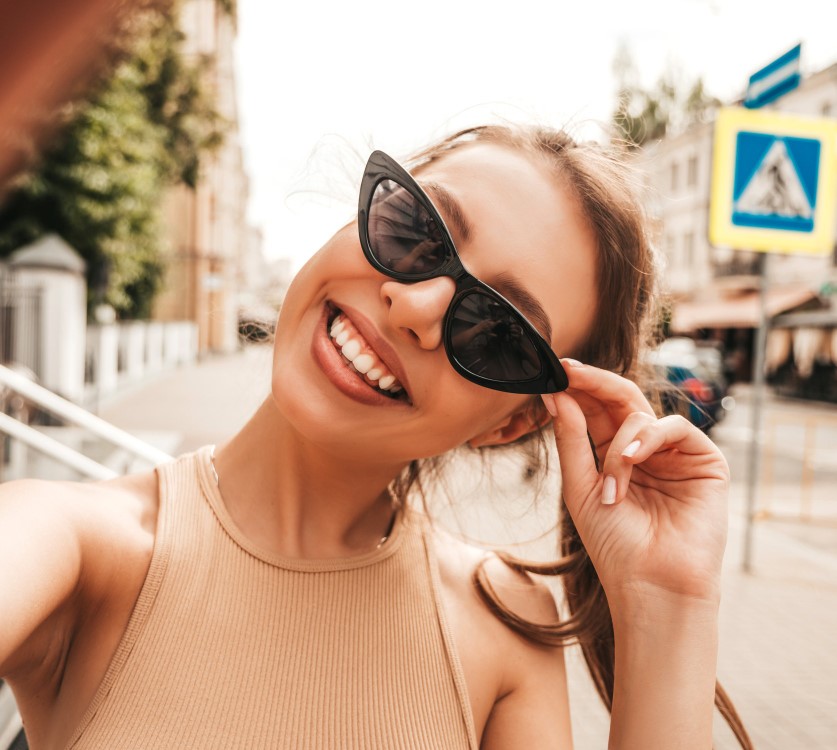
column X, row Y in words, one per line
column 489, row 340
column 403, row 236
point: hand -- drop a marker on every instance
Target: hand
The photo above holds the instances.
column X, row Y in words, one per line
column 654, row 521
column 485, row 326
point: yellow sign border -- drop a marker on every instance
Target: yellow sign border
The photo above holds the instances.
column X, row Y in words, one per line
column 731, row 121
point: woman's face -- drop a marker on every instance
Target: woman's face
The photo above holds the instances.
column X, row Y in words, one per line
column 526, row 230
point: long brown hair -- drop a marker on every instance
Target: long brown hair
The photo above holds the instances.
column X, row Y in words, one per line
column 627, row 278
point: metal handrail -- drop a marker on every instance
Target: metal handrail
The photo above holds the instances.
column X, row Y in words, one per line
column 74, row 414
column 52, row 448
column 10, row 721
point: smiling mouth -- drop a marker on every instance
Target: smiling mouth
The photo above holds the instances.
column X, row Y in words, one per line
column 359, row 356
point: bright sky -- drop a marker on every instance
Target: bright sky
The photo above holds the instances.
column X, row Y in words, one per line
column 322, row 83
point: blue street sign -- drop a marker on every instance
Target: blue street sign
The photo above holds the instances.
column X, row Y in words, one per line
column 775, row 181
column 774, row 80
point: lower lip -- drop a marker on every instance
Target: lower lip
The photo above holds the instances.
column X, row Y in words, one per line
column 346, row 380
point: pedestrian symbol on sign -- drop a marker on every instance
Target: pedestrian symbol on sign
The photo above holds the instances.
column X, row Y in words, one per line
column 775, row 187
column 775, row 182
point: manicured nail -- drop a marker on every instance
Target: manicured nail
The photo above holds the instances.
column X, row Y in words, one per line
column 609, row 490
column 549, row 403
column 631, row 449
column 571, row 362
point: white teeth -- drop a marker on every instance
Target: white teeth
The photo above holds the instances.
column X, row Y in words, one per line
column 363, row 363
column 351, row 348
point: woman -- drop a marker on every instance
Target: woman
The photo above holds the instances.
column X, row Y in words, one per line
column 282, row 592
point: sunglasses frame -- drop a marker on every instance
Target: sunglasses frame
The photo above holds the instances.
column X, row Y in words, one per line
column 380, row 167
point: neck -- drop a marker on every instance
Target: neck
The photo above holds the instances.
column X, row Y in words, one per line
column 299, row 499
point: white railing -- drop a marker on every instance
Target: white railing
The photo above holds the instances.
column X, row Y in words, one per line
column 122, row 353
column 10, row 721
column 74, row 414
column 57, row 451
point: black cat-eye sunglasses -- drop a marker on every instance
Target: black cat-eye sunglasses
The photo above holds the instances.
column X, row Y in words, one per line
column 487, row 339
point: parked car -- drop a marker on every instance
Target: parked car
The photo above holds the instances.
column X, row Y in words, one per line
column 694, row 381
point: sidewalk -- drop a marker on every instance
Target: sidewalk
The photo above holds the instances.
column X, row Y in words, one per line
column 194, row 405
column 777, row 624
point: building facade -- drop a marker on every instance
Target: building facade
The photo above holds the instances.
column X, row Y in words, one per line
column 714, row 289
column 210, row 241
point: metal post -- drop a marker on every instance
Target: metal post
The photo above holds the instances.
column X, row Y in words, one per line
column 757, row 406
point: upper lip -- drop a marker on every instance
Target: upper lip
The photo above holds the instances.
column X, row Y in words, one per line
column 382, row 347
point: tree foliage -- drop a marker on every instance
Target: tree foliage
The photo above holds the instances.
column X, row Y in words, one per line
column 671, row 105
column 101, row 182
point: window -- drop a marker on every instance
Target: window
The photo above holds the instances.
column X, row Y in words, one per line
column 691, row 171
column 689, row 249
column 674, row 176
column 825, row 110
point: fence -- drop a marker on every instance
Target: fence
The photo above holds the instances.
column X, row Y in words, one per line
column 116, row 356
column 20, row 323
column 120, row 354
column 808, row 440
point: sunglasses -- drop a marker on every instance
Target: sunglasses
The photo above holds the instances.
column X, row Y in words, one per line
column 486, row 338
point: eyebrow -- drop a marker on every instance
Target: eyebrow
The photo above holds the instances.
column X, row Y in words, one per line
column 509, row 286
column 450, row 208
column 506, row 283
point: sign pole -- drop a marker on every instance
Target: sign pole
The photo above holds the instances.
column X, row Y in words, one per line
column 757, row 406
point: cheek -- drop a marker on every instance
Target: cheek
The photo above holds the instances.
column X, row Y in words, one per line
column 463, row 410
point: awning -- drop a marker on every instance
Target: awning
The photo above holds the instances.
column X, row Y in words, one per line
column 739, row 311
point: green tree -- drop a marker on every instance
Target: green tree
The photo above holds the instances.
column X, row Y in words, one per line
column 643, row 115
column 101, row 182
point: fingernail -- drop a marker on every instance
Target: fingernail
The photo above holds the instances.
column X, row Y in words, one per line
column 549, row 403
column 631, row 448
column 571, row 362
column 609, row 490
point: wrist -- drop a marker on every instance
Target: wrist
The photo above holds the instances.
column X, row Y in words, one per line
column 650, row 609
column 664, row 673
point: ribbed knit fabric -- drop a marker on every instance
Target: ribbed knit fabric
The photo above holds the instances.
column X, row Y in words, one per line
column 230, row 646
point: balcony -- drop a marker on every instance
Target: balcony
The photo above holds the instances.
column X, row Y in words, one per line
column 739, row 263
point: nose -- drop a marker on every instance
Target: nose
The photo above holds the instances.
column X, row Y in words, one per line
column 419, row 308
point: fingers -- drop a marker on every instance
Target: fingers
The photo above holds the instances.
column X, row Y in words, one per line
column 639, row 438
column 605, row 398
column 579, row 473
column 607, row 387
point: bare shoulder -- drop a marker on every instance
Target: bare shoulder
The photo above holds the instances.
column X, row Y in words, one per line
column 116, row 523
column 79, row 513
column 517, row 687
column 63, row 545
column 459, row 562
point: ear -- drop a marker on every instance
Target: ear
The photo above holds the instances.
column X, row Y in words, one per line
column 511, row 428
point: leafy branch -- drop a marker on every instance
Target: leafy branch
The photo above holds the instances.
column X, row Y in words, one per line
column 101, row 183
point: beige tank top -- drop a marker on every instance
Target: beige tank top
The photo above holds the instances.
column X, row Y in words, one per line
column 230, row 646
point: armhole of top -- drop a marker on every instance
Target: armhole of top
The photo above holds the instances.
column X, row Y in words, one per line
column 451, row 652
column 143, row 605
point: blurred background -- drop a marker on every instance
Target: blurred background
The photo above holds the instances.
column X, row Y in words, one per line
column 166, row 167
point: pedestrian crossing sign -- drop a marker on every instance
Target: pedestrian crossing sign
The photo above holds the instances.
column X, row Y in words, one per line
column 774, row 182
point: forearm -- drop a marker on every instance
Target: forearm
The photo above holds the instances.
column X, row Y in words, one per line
column 666, row 656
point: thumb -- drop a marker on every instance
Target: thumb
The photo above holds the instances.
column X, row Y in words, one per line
column 579, row 473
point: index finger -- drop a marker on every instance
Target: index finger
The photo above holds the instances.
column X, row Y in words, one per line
column 606, row 387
